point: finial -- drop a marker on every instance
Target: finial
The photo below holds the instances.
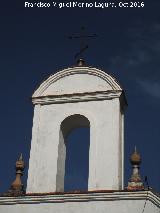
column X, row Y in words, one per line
column 80, row 63
column 135, row 182
column 135, row 149
column 135, row 158
column 17, row 187
column 21, row 157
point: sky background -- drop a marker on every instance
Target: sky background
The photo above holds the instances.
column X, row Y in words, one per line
column 34, row 44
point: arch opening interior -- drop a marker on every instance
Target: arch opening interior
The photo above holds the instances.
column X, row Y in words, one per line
column 73, row 167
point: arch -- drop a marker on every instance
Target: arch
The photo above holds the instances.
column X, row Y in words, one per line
column 68, row 124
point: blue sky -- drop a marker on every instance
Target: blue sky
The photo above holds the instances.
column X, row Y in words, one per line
column 34, row 44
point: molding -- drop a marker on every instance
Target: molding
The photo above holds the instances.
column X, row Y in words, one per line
column 77, row 70
column 82, row 197
column 77, row 97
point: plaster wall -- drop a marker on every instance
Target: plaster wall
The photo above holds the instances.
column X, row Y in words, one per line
column 80, row 83
column 105, row 154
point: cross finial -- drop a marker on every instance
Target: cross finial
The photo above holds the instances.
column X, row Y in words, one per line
column 83, row 44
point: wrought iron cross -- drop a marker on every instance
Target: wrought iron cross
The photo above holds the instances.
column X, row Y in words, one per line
column 82, row 37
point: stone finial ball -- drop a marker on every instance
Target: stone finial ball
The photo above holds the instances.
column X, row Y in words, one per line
column 20, row 165
column 135, row 158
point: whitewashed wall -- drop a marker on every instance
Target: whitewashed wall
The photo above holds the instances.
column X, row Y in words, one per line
column 102, row 109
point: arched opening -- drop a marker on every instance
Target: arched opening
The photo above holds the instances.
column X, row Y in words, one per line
column 73, row 154
column 77, row 160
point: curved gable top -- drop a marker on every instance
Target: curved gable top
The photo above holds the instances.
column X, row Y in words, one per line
column 77, row 80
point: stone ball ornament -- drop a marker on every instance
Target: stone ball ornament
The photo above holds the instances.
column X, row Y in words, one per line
column 135, row 158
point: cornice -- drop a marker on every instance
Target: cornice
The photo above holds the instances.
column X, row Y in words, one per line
column 76, row 97
column 82, row 197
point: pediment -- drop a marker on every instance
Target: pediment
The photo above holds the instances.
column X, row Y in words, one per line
column 77, row 80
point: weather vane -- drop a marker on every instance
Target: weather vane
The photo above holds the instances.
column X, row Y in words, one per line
column 82, row 37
